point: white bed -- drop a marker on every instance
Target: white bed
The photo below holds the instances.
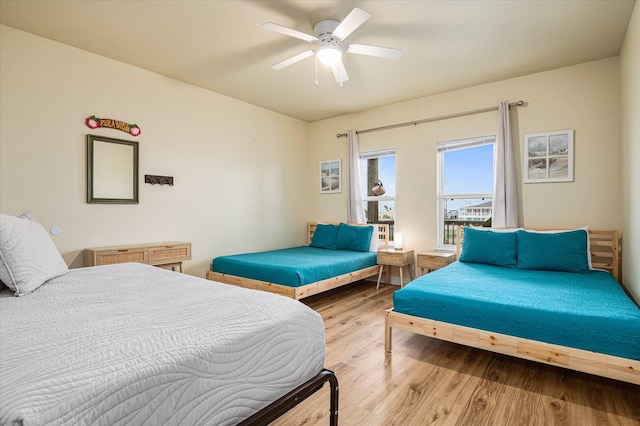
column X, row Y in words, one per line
column 133, row 344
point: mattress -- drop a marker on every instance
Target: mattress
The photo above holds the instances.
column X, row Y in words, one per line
column 294, row 266
column 585, row 311
column 137, row 345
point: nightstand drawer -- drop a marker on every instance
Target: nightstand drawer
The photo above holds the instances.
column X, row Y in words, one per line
column 434, row 260
column 392, row 259
column 429, row 261
column 170, row 253
column 121, row 256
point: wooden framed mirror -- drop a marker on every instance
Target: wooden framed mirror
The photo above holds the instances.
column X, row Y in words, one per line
column 112, row 171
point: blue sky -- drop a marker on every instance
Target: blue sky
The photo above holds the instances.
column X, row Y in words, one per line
column 469, row 170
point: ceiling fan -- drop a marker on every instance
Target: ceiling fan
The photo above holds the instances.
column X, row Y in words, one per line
column 329, row 34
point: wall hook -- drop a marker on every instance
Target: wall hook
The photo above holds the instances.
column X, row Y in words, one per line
column 161, row 180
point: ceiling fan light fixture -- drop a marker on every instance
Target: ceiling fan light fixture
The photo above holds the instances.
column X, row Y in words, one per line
column 329, row 55
column 329, row 33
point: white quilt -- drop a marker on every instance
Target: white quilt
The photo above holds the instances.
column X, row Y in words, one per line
column 132, row 344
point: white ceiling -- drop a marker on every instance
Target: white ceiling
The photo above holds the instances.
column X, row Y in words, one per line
column 220, row 45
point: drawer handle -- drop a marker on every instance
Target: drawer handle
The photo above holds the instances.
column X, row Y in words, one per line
column 123, row 250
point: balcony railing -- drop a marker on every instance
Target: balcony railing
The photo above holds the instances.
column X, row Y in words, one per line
column 451, row 229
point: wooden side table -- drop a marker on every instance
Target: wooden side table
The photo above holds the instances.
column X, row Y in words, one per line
column 401, row 258
column 434, row 260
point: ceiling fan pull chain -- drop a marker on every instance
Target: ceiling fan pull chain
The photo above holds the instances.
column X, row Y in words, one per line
column 316, row 71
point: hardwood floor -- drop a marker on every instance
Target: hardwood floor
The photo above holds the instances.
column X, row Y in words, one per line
column 431, row 382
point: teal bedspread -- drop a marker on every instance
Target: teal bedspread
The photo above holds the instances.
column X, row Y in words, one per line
column 585, row 311
column 295, row 266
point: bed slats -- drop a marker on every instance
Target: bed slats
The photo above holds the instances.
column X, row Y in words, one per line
column 605, row 251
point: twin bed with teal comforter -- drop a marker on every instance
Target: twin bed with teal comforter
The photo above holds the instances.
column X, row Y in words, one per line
column 337, row 254
column 296, row 266
column 537, row 296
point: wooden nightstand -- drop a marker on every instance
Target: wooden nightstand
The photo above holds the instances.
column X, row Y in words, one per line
column 164, row 255
column 434, row 260
column 401, row 258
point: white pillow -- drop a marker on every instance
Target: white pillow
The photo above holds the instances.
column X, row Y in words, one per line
column 483, row 228
column 28, row 257
column 375, row 239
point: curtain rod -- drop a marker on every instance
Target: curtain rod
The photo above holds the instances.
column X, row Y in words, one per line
column 427, row 120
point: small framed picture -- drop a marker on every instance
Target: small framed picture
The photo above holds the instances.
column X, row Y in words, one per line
column 330, row 177
column 548, row 157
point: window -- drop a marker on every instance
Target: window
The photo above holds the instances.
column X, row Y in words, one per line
column 379, row 166
column 465, row 185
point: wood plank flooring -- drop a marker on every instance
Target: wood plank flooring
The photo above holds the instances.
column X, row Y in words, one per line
column 430, row 382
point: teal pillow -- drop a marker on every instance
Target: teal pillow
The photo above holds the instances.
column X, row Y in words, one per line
column 557, row 251
column 489, row 247
column 325, row 236
column 352, row 237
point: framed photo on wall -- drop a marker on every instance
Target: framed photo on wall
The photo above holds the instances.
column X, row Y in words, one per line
column 548, row 157
column 330, row 176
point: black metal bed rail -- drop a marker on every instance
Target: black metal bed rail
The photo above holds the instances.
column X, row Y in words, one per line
column 277, row 408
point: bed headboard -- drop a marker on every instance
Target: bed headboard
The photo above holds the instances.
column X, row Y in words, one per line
column 604, row 245
column 383, row 232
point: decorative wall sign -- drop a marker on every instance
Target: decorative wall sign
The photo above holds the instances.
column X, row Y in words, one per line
column 330, row 177
column 548, row 157
column 94, row 122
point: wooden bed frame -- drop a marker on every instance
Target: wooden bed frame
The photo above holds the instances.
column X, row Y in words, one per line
column 311, row 288
column 605, row 254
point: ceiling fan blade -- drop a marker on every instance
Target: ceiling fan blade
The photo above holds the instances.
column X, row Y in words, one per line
column 381, row 52
column 339, row 72
column 354, row 19
column 289, row 32
column 292, row 60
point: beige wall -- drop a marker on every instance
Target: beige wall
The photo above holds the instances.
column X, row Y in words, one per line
column 585, row 98
column 236, row 167
column 630, row 58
